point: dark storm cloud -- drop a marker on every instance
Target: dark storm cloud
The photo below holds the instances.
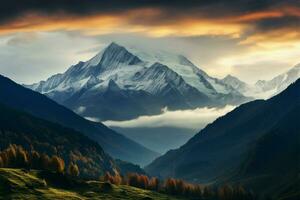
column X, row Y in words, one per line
column 278, row 23
column 12, row 9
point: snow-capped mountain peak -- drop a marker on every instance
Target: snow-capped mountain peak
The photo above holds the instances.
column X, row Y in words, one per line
column 280, row 82
column 158, row 77
column 116, row 54
column 113, row 54
column 236, row 83
column 264, row 89
column 191, row 74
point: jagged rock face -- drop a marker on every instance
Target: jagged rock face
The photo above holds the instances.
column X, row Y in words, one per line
column 115, row 55
column 118, row 80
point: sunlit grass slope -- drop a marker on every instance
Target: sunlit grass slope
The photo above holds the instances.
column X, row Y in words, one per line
column 21, row 184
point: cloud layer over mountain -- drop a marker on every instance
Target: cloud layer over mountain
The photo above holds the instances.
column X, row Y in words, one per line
column 195, row 119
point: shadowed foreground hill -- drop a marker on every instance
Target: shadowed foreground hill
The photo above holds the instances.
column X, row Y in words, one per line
column 258, row 140
column 117, row 145
column 18, row 184
column 273, row 164
column 52, row 139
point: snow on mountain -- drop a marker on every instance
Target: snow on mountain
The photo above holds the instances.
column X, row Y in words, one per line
column 279, row 83
column 191, row 74
column 236, row 83
column 113, row 63
column 155, row 78
column 248, row 90
column 264, row 89
column 159, row 79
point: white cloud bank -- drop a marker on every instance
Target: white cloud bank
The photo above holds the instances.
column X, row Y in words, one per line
column 192, row 119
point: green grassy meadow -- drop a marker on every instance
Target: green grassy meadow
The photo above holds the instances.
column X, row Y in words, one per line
column 21, row 184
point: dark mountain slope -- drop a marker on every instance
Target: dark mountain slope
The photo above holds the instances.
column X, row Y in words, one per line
column 45, row 137
column 221, row 147
column 273, row 164
column 115, row 144
column 117, row 104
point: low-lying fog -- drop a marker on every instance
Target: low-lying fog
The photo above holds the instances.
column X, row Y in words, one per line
column 168, row 130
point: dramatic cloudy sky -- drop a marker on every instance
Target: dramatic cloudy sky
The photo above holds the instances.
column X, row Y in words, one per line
column 249, row 39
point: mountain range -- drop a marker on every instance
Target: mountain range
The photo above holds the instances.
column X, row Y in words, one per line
column 257, row 145
column 265, row 88
column 123, row 83
column 118, row 146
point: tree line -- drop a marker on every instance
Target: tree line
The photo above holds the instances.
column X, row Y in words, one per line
column 179, row 187
column 15, row 156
